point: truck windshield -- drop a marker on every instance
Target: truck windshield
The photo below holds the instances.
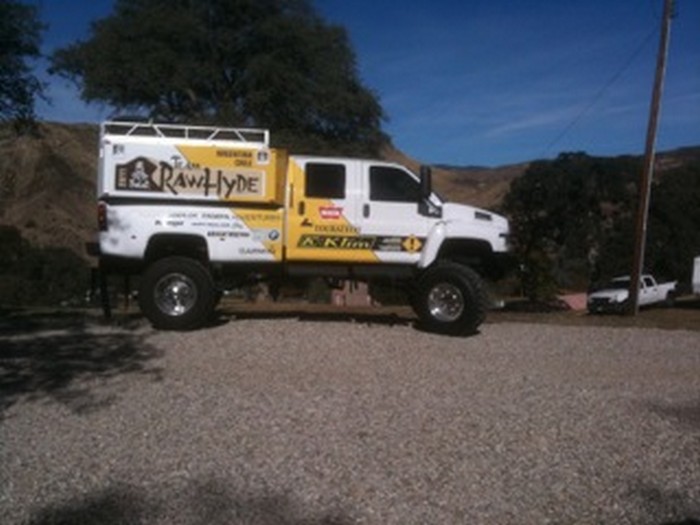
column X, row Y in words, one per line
column 620, row 283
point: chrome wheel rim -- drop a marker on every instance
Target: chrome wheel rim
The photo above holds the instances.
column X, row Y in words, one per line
column 445, row 302
column 175, row 294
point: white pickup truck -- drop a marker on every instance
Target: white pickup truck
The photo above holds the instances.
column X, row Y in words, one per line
column 613, row 297
column 696, row 275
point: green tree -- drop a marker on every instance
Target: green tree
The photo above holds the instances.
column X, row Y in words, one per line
column 674, row 223
column 268, row 63
column 20, row 37
column 563, row 213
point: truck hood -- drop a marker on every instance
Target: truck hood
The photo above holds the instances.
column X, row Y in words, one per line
column 462, row 212
column 468, row 222
column 612, row 295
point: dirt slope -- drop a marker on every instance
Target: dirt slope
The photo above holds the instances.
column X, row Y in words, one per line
column 47, row 185
column 483, row 187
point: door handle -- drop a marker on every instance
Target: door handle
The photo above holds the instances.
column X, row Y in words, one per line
column 365, row 211
column 302, row 208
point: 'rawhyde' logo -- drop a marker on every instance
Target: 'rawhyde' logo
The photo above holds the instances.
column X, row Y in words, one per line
column 141, row 174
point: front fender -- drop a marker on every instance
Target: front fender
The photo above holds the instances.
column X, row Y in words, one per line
column 436, row 236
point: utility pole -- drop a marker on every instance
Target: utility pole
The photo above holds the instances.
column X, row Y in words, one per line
column 649, row 157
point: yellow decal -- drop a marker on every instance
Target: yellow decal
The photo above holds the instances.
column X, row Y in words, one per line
column 214, row 156
column 318, row 229
column 412, row 244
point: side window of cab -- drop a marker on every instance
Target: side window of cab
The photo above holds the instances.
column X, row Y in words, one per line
column 325, row 180
column 388, row 184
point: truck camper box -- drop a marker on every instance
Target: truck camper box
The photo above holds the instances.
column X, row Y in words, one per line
column 167, row 161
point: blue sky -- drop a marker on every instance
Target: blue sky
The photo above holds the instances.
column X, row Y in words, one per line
column 489, row 82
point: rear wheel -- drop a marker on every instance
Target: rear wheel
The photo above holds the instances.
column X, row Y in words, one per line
column 177, row 293
column 670, row 300
column 451, row 299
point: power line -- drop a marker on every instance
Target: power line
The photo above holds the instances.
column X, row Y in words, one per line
column 601, row 92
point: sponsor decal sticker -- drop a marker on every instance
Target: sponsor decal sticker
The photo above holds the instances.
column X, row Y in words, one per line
column 258, row 217
column 142, row 174
column 337, row 229
column 336, row 242
column 330, row 212
column 265, row 234
column 228, row 234
column 409, row 244
column 253, row 251
column 412, row 244
column 238, row 157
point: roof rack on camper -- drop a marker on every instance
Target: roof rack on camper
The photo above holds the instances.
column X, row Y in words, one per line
column 181, row 131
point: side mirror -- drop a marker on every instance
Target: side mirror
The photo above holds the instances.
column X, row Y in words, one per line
column 426, row 183
column 425, row 207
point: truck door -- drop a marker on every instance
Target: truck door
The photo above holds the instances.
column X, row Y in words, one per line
column 390, row 213
column 322, row 212
column 648, row 291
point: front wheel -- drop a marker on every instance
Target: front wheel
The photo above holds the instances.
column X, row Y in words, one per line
column 177, row 293
column 451, row 299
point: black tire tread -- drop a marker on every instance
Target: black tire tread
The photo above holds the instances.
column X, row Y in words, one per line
column 476, row 298
column 200, row 312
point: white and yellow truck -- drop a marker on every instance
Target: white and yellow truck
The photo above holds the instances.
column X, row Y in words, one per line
column 193, row 209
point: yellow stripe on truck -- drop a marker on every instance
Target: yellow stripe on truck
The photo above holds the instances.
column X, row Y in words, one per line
column 323, row 232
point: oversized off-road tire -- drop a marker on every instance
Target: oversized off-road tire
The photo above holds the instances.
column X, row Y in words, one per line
column 177, row 293
column 451, row 299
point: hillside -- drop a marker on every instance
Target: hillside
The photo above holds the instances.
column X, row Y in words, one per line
column 47, row 183
column 483, row 187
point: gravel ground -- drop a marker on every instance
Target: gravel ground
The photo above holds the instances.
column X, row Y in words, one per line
column 288, row 421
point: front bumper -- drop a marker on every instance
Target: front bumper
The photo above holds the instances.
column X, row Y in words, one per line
column 604, row 306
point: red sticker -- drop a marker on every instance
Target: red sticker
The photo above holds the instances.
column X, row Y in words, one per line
column 330, row 212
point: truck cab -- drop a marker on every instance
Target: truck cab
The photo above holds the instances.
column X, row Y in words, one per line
column 374, row 212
